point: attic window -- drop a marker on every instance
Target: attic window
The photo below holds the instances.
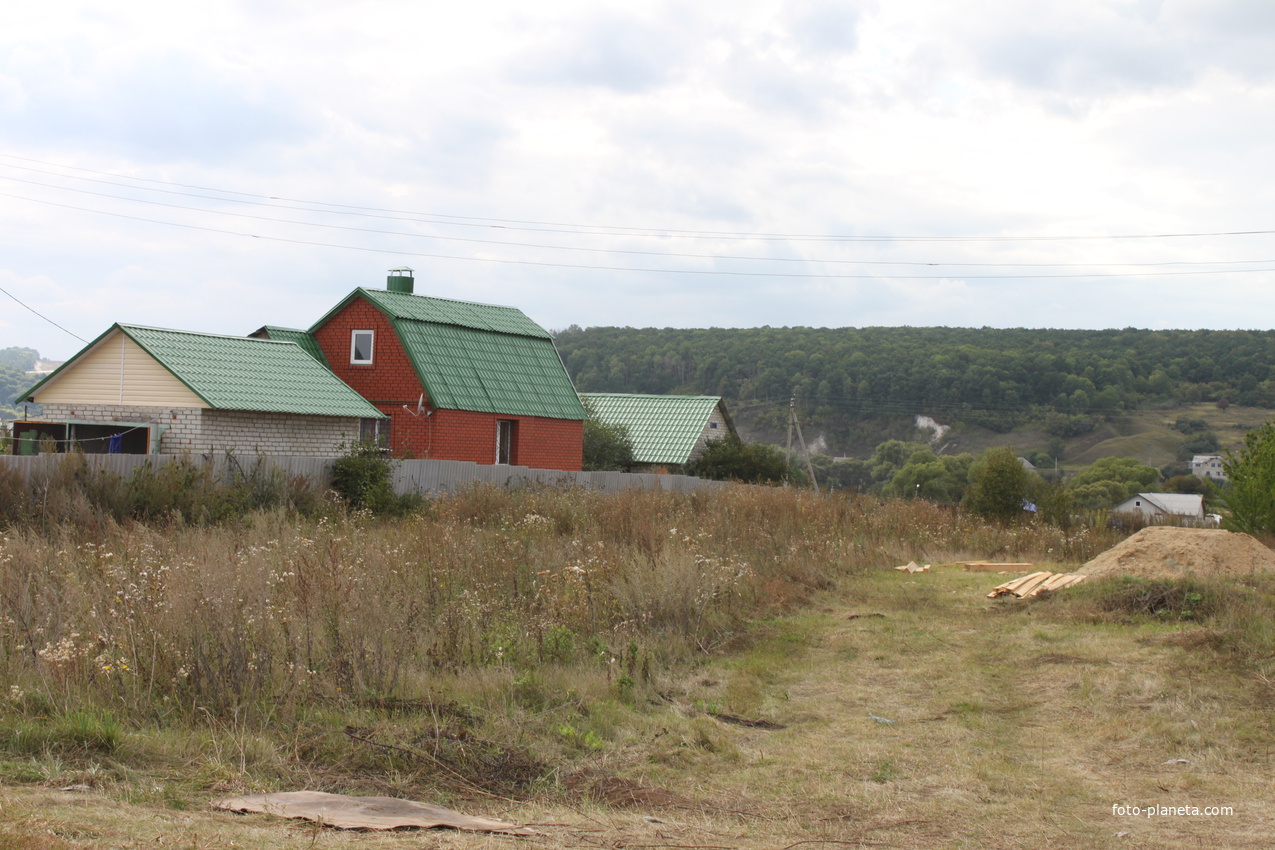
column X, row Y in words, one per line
column 713, row 425
column 361, row 347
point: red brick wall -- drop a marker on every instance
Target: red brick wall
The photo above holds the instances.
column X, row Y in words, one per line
column 390, row 382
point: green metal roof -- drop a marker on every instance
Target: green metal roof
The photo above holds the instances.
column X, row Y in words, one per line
column 477, row 357
column 242, row 373
column 302, row 338
column 445, row 311
column 664, row 428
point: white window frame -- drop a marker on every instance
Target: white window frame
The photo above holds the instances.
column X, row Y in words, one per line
column 354, row 335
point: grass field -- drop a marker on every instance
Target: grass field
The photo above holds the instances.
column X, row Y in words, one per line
column 1145, row 435
column 1001, row 724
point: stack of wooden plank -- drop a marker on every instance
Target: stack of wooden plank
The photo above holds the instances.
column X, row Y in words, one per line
column 1030, row 585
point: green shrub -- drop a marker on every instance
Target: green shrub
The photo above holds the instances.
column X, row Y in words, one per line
column 731, row 459
column 362, row 477
column 607, row 447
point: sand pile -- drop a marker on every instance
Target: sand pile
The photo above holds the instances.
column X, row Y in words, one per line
column 1169, row 552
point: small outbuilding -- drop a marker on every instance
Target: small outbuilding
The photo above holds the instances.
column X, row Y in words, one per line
column 1151, row 505
column 667, row 431
column 141, row 390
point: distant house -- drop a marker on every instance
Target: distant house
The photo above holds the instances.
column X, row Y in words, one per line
column 1208, row 466
column 1163, row 504
column 140, row 390
column 667, row 430
column 456, row 380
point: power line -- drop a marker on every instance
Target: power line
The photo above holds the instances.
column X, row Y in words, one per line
column 584, row 266
column 42, row 316
column 578, row 248
column 548, row 226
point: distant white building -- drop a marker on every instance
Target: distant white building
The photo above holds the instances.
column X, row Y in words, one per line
column 1208, row 466
column 1163, row 504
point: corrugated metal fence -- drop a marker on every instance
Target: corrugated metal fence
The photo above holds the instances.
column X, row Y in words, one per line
column 428, row 477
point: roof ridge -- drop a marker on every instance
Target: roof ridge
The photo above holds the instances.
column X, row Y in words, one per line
column 123, row 325
column 442, row 298
column 653, row 395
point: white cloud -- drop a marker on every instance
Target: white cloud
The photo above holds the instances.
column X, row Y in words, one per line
column 908, row 118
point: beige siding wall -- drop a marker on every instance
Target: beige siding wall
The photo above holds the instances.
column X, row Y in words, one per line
column 97, row 378
column 198, row 431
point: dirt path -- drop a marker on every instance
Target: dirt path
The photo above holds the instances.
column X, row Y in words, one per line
column 915, row 713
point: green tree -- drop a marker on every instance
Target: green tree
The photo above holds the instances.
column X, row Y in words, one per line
column 889, row 457
column 999, row 485
column 607, row 447
column 1111, row 480
column 1250, row 497
column 928, row 476
column 731, row 459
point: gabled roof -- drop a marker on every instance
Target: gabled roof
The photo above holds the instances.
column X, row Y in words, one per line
column 1185, row 504
column 302, row 338
column 240, row 373
column 664, row 428
column 478, row 357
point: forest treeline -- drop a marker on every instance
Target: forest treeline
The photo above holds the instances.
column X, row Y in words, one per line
column 850, row 382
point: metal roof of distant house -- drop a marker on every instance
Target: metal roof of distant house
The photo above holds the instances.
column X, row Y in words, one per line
column 1184, row 504
column 241, row 373
column 664, row 428
column 302, row 338
column 478, row 357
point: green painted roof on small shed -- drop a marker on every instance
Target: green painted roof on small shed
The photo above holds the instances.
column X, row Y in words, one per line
column 664, row 428
column 478, row 357
column 241, row 373
column 302, row 338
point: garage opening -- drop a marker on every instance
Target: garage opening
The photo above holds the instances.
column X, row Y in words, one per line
column 94, row 438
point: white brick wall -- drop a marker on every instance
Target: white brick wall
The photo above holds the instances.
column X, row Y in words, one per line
column 200, row 431
column 720, row 432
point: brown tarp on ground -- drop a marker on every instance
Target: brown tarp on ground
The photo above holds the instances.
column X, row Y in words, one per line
column 345, row 812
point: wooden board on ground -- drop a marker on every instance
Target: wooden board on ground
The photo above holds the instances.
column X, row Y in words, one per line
column 994, row 567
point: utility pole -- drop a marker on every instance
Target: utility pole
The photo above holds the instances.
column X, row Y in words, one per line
column 792, row 404
column 792, row 420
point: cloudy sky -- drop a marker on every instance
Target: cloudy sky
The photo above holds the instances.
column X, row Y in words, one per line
column 226, row 165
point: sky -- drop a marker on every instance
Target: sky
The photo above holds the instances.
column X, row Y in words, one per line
column 1007, row 163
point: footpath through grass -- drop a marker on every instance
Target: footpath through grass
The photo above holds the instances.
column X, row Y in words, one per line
column 915, row 713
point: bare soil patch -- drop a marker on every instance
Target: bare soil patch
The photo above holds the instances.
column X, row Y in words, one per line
column 1160, row 552
column 625, row 793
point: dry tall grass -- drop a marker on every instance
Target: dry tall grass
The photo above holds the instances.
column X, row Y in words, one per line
column 248, row 618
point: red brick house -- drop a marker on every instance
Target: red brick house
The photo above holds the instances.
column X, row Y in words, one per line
column 458, row 380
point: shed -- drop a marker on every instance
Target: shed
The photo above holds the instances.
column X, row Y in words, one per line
column 1163, row 504
column 139, row 390
column 667, row 430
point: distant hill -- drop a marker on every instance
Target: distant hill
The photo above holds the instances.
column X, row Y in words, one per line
column 857, row 386
column 14, row 365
